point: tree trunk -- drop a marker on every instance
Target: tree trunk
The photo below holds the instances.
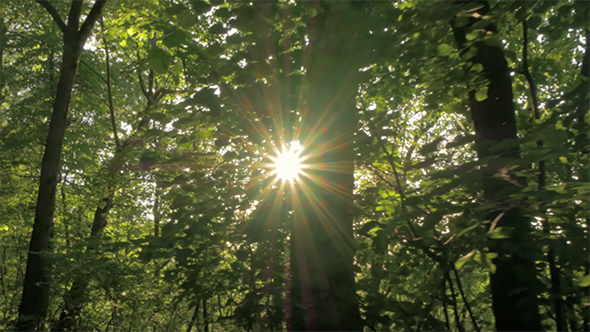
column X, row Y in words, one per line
column 554, row 270
column 157, row 215
column 3, row 29
column 35, row 297
column 298, row 282
column 75, row 297
column 194, row 319
column 323, row 290
column 514, row 303
column 205, row 316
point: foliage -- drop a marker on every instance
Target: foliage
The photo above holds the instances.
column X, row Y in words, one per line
column 205, row 91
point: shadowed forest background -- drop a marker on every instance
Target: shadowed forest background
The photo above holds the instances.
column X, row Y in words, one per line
column 444, row 178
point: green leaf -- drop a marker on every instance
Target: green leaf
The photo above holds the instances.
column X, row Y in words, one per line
column 487, row 261
column 478, row 67
column 102, row 205
column 461, row 21
column 177, row 39
column 459, row 263
column 585, row 281
column 481, row 94
column 468, row 229
column 159, row 60
column 313, row 12
column 470, row 53
column 482, row 23
column 472, row 35
column 500, row 233
column 444, row 49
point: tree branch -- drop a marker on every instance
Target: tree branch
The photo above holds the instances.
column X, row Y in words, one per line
column 389, row 156
column 74, row 16
column 454, row 298
column 86, row 86
column 109, row 90
column 91, row 19
column 141, row 83
column 467, row 306
column 151, row 82
column 445, row 309
column 375, row 169
column 54, row 14
column 94, row 71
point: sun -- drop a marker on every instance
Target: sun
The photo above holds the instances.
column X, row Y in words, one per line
column 287, row 165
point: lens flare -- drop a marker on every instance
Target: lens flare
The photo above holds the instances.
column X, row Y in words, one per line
column 287, row 165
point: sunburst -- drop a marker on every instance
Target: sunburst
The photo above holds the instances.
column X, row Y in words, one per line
column 288, row 163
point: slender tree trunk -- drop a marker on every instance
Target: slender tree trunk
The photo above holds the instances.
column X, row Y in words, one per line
column 3, row 29
column 586, row 291
column 445, row 307
column 194, row 319
column 66, row 219
column 455, row 305
column 465, row 302
column 157, row 215
column 205, row 316
column 583, row 101
column 299, row 283
column 514, row 303
column 35, row 297
column 571, row 314
column 554, row 270
column 251, row 290
column 75, row 297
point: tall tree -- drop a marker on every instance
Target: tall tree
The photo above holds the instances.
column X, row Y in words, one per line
column 35, row 298
column 491, row 105
column 323, row 245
